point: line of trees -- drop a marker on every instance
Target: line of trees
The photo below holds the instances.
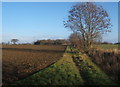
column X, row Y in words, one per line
column 51, row 42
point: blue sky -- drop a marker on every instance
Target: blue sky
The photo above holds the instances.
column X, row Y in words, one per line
column 30, row 21
column 0, row 22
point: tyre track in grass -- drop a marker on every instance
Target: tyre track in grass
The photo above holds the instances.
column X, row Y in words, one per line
column 90, row 73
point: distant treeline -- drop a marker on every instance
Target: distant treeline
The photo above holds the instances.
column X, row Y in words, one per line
column 107, row 43
column 117, row 43
column 52, row 42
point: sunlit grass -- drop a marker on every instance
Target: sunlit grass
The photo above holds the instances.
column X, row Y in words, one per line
column 108, row 46
column 90, row 72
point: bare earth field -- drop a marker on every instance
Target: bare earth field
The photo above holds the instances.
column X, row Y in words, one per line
column 19, row 61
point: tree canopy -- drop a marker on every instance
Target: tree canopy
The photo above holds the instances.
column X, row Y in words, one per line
column 89, row 20
column 14, row 41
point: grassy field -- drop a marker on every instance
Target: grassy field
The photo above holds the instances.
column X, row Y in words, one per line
column 108, row 46
column 19, row 61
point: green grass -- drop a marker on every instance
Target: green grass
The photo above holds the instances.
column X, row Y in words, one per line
column 108, row 46
column 63, row 72
column 90, row 72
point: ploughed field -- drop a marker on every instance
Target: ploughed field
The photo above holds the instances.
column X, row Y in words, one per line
column 20, row 61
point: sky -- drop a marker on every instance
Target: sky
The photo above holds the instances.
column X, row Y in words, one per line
column 0, row 22
column 31, row 21
column 60, row 0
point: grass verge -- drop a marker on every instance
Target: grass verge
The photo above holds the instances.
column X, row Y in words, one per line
column 91, row 74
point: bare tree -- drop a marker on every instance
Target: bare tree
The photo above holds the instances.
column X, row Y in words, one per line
column 14, row 41
column 74, row 39
column 89, row 20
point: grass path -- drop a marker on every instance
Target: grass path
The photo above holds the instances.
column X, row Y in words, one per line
column 91, row 74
